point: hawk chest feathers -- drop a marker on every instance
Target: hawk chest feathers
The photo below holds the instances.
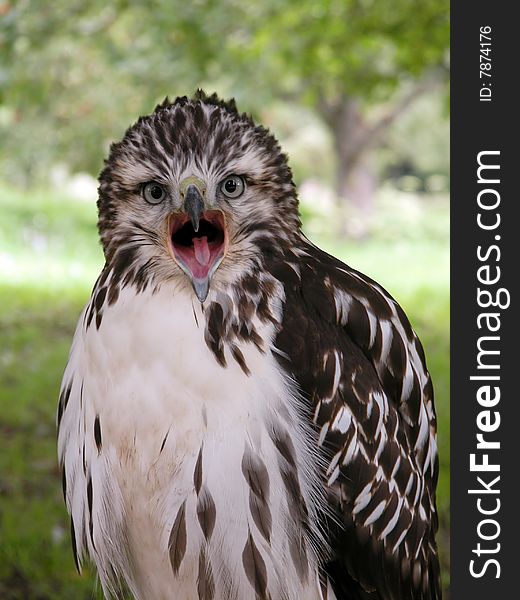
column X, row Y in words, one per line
column 200, row 474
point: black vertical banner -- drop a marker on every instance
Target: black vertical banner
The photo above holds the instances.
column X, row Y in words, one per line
column 485, row 249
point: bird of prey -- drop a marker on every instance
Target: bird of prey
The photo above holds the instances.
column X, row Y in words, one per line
column 242, row 415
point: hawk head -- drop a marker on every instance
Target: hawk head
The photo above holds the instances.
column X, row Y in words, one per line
column 195, row 193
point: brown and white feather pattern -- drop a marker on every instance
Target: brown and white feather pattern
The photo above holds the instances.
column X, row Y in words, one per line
column 365, row 378
column 277, row 441
column 219, row 494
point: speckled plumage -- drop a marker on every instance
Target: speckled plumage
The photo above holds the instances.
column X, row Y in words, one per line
column 276, row 440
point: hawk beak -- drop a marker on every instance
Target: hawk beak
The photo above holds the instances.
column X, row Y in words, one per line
column 198, row 238
column 193, row 205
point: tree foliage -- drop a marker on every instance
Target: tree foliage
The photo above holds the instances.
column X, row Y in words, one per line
column 74, row 74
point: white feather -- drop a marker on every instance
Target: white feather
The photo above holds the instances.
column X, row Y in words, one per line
column 150, row 377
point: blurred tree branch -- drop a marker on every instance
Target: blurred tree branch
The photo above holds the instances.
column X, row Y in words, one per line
column 355, row 136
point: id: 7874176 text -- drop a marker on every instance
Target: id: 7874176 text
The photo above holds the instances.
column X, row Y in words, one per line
column 485, row 64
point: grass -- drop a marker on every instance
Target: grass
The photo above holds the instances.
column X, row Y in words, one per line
column 49, row 259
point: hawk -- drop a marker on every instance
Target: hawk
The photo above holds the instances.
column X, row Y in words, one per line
column 242, row 415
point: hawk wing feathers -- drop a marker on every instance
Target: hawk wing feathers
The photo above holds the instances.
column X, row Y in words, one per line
column 361, row 367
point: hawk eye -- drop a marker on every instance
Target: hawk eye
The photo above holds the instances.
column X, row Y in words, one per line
column 232, row 186
column 153, row 193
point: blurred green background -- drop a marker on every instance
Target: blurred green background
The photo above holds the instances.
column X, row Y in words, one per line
column 355, row 90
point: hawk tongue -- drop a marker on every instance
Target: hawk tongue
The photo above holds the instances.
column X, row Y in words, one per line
column 201, row 249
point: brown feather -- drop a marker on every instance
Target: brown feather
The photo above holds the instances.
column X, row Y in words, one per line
column 206, row 512
column 205, row 582
column 261, row 516
column 255, row 568
column 178, row 539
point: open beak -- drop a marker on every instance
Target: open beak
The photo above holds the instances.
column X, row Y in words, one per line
column 198, row 240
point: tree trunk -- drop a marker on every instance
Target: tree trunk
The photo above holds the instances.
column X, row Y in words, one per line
column 354, row 139
column 355, row 178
